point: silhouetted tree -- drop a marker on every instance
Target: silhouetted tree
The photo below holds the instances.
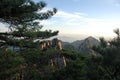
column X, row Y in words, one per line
column 23, row 18
column 16, row 12
column 110, row 51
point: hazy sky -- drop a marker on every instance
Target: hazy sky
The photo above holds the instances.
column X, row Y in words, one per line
column 89, row 17
column 84, row 17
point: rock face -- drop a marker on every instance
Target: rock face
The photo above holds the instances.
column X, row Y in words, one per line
column 87, row 44
column 83, row 46
column 59, row 60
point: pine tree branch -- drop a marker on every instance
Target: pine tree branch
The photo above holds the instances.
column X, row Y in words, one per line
column 23, row 11
column 17, row 42
column 37, row 35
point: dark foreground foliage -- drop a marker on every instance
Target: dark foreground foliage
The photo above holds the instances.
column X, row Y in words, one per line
column 29, row 62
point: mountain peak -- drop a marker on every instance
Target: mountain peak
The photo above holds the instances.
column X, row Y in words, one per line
column 90, row 38
column 83, row 46
column 87, row 44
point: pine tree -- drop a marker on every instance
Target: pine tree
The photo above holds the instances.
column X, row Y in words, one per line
column 110, row 51
column 16, row 12
column 23, row 18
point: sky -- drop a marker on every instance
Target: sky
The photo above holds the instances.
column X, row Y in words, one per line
column 84, row 17
column 78, row 18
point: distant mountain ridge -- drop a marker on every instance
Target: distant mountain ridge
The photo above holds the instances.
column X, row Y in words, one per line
column 83, row 46
column 77, row 43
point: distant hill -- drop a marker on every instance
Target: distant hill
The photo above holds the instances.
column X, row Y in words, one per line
column 77, row 43
column 83, row 46
column 67, row 45
column 74, row 45
column 87, row 44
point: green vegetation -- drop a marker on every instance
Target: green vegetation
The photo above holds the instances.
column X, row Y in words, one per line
column 29, row 62
column 110, row 51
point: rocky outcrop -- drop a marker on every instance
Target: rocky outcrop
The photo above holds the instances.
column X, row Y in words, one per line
column 87, row 44
column 59, row 61
column 55, row 43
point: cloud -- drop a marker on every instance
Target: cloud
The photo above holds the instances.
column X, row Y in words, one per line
column 47, row 22
column 65, row 15
column 73, row 18
column 63, row 18
column 81, row 23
